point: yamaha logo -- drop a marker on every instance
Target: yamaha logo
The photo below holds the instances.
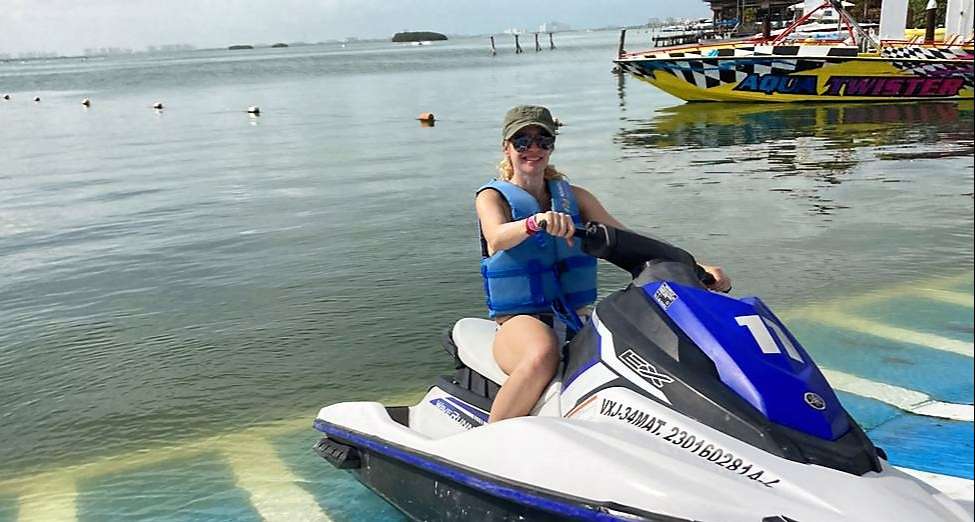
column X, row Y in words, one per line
column 814, row 401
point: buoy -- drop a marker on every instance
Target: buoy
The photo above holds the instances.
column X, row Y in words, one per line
column 254, row 110
column 86, row 102
column 427, row 119
column 37, row 98
column 158, row 106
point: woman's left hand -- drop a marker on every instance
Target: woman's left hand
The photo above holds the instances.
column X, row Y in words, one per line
column 722, row 283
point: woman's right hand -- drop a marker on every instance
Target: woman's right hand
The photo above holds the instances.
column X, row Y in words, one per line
column 558, row 224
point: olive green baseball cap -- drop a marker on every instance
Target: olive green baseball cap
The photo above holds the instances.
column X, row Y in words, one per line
column 524, row 115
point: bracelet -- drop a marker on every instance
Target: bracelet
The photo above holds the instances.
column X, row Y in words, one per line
column 530, row 225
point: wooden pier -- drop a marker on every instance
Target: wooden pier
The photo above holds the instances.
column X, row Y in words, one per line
column 690, row 37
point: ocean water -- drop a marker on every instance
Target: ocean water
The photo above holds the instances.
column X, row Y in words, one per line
column 184, row 275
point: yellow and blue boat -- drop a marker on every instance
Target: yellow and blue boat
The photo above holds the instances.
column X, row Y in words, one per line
column 780, row 70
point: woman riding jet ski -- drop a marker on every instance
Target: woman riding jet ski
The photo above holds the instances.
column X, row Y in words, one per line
column 672, row 403
column 527, row 275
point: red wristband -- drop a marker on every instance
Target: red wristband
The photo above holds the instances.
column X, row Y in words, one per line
column 530, row 225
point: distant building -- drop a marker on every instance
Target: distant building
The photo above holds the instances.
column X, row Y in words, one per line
column 553, row 27
column 734, row 10
column 169, row 48
column 106, row 51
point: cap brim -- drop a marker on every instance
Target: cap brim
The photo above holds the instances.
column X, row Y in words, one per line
column 514, row 130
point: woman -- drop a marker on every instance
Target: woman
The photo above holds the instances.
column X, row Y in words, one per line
column 527, row 269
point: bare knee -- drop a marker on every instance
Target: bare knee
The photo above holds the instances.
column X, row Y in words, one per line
column 540, row 359
column 525, row 344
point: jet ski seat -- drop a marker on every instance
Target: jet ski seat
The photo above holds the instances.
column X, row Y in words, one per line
column 474, row 339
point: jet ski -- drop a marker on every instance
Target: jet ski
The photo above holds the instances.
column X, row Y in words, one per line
column 672, row 403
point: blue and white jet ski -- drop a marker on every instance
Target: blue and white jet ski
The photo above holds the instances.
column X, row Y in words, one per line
column 673, row 403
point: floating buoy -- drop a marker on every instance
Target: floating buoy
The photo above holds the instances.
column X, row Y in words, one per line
column 37, row 99
column 86, row 102
column 254, row 110
column 427, row 119
column 158, row 106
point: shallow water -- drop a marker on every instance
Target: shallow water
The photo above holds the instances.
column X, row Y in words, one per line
column 169, row 276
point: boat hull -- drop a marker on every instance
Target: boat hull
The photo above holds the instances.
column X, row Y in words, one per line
column 795, row 74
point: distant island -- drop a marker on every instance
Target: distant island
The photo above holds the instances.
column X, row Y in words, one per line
column 277, row 45
column 418, row 36
column 240, row 47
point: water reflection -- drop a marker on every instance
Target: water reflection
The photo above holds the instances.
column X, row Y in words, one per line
column 931, row 130
column 621, row 87
column 710, row 143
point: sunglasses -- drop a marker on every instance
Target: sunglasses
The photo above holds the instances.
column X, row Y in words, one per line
column 522, row 143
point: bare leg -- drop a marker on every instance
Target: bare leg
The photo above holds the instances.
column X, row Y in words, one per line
column 527, row 350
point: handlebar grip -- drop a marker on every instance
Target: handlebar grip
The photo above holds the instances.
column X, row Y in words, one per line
column 601, row 241
column 704, row 276
column 579, row 232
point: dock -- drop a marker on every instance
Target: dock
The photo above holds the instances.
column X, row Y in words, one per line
column 684, row 38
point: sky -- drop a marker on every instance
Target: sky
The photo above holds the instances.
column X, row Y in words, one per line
column 70, row 26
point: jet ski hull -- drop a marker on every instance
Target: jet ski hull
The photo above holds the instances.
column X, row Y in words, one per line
column 427, row 487
column 602, row 464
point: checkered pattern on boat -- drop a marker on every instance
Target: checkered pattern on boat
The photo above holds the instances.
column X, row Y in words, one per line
column 790, row 51
column 927, row 53
column 706, row 73
column 961, row 63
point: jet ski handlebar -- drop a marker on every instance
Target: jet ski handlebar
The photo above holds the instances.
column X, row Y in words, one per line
column 631, row 251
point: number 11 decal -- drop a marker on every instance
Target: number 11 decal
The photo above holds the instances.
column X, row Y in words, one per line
column 759, row 328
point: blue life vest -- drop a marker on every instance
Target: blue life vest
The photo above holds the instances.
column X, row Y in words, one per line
column 533, row 275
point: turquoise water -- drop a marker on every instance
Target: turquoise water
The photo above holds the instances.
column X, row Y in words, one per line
column 943, row 375
column 177, row 276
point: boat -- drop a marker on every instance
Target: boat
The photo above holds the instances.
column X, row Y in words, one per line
column 673, row 403
column 812, row 61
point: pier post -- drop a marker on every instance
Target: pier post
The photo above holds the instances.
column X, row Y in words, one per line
column 929, row 21
column 517, row 46
column 551, row 42
column 620, row 51
column 494, row 50
column 767, row 20
column 537, row 47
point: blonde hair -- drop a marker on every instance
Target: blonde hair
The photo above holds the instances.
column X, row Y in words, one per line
column 506, row 171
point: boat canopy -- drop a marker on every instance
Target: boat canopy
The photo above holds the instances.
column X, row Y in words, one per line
column 809, row 5
column 893, row 19
column 958, row 19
